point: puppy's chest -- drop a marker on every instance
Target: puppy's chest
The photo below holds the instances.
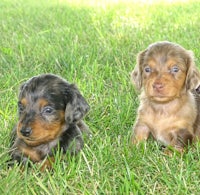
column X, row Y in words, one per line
column 46, row 149
column 160, row 120
column 166, row 119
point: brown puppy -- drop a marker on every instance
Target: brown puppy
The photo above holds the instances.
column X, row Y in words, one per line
column 165, row 73
column 50, row 118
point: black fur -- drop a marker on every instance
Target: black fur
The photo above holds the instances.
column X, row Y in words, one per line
column 61, row 96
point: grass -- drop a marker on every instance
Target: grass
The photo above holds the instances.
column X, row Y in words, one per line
column 94, row 44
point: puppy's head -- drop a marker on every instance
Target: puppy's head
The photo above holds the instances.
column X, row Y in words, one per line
column 47, row 106
column 165, row 71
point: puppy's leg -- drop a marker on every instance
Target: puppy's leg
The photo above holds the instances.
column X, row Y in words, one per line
column 182, row 139
column 179, row 139
column 20, row 153
column 141, row 132
column 72, row 140
column 47, row 164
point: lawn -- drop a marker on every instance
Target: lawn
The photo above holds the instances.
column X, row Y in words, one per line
column 94, row 44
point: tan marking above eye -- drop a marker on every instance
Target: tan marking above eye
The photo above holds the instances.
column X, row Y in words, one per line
column 24, row 101
column 151, row 63
column 171, row 63
column 42, row 102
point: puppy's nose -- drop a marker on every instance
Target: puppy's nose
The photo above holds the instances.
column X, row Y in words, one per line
column 26, row 131
column 158, row 86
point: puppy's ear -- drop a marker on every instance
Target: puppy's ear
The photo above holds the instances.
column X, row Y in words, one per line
column 193, row 74
column 136, row 75
column 76, row 106
column 21, row 89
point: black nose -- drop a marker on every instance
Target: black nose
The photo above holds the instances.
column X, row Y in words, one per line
column 26, row 131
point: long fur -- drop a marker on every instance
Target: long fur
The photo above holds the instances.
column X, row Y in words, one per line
column 166, row 75
column 50, row 118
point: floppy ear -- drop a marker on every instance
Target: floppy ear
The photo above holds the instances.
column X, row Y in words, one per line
column 21, row 89
column 76, row 106
column 136, row 75
column 193, row 74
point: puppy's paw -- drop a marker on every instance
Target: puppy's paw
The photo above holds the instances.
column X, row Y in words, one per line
column 47, row 164
column 140, row 133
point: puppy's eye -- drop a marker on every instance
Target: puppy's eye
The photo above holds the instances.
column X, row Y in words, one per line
column 47, row 110
column 174, row 69
column 147, row 69
column 20, row 107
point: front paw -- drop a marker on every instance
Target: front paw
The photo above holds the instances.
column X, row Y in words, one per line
column 47, row 164
column 136, row 139
column 140, row 133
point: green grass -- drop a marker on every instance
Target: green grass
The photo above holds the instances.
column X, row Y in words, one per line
column 94, row 45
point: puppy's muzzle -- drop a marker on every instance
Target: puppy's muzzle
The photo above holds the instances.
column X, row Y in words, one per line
column 26, row 131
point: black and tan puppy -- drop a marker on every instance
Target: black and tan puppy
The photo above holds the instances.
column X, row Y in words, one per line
column 50, row 117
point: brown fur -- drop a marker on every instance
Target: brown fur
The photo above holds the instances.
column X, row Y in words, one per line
column 165, row 74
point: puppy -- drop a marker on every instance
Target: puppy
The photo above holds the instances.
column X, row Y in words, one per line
column 50, row 118
column 165, row 74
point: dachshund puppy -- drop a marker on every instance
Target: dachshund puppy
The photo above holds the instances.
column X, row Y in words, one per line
column 165, row 74
column 50, row 118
